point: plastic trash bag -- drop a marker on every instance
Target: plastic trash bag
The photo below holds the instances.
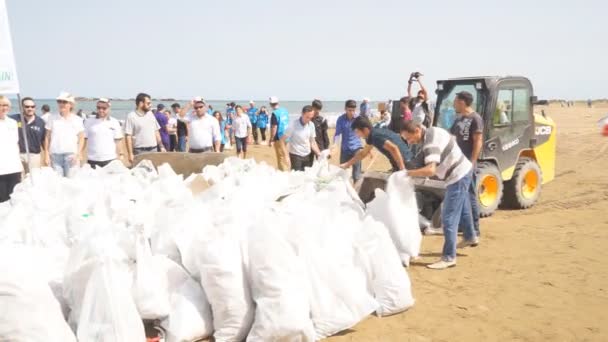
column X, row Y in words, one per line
column 108, row 311
column 278, row 286
column 190, row 315
column 222, row 277
column 388, row 279
column 30, row 312
column 397, row 209
column 150, row 291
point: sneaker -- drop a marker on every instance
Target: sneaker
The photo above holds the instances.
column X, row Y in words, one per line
column 442, row 265
column 433, row 231
column 468, row 243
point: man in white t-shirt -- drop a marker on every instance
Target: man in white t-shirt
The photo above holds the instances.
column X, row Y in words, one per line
column 203, row 129
column 142, row 129
column 242, row 128
column 64, row 141
column 444, row 159
column 103, row 136
column 10, row 161
column 300, row 138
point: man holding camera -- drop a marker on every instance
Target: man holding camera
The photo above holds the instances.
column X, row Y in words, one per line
column 420, row 108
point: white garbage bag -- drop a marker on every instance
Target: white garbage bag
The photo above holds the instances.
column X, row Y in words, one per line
column 108, row 311
column 278, row 286
column 190, row 315
column 150, row 288
column 397, row 209
column 388, row 279
column 222, row 277
column 30, row 312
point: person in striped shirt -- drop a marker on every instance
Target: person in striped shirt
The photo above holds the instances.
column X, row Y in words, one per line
column 444, row 159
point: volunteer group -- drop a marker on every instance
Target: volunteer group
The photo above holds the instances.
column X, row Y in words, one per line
column 407, row 138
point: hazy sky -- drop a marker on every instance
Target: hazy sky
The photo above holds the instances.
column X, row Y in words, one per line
column 298, row 50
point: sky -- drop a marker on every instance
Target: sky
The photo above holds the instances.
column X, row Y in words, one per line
column 299, row 50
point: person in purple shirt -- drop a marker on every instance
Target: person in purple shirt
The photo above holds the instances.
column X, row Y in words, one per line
column 163, row 122
column 350, row 142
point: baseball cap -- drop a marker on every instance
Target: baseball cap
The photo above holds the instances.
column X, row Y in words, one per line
column 198, row 99
column 65, row 96
column 104, row 100
column 273, row 100
column 251, row 102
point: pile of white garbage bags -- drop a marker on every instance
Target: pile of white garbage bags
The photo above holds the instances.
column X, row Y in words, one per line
column 261, row 255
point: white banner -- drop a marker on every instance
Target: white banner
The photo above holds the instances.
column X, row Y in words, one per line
column 9, row 84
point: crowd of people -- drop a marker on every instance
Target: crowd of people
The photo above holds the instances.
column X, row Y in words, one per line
column 406, row 137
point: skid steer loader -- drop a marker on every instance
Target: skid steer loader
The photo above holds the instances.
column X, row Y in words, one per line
column 518, row 153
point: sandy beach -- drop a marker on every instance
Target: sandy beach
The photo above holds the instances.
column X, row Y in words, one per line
column 539, row 274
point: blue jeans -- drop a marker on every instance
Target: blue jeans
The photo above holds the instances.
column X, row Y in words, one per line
column 474, row 202
column 63, row 163
column 348, row 155
column 456, row 209
column 181, row 144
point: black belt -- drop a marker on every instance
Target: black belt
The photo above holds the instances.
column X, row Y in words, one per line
column 200, row 150
column 145, row 148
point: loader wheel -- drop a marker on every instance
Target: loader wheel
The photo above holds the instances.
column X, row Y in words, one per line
column 523, row 190
column 489, row 188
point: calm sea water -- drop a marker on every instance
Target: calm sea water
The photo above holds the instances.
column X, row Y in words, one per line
column 120, row 108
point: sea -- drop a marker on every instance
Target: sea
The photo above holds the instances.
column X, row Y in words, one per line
column 120, row 108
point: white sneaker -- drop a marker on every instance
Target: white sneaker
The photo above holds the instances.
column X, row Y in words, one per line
column 468, row 243
column 433, row 231
column 442, row 265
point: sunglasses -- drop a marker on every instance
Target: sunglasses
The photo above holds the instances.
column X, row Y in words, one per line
column 102, row 108
column 199, row 107
column 62, row 101
column 29, row 107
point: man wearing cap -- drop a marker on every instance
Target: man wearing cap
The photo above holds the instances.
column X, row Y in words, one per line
column 203, row 129
column 142, row 129
column 103, row 136
column 279, row 122
column 10, row 163
column 444, row 159
column 252, row 112
column 35, row 132
column 163, row 122
column 468, row 130
column 64, row 141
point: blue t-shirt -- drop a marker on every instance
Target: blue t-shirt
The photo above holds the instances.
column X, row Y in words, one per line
column 350, row 140
column 252, row 113
column 223, row 132
column 262, row 120
column 378, row 136
column 229, row 115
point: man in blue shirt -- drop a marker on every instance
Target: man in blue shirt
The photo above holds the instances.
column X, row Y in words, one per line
column 279, row 122
column 386, row 141
column 365, row 109
column 252, row 112
column 35, row 130
column 351, row 143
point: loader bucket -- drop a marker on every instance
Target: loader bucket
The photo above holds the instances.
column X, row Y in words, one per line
column 182, row 163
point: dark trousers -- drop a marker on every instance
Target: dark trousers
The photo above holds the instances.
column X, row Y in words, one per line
column 7, row 184
column 201, row 150
column 474, row 202
column 298, row 163
column 254, row 130
column 357, row 167
column 95, row 164
column 263, row 133
column 172, row 143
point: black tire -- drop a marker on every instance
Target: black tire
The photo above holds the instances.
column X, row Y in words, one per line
column 488, row 204
column 526, row 171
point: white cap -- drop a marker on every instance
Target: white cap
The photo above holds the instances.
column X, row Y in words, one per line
column 366, row 99
column 273, row 100
column 198, row 99
column 251, row 102
column 104, row 100
column 65, row 96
